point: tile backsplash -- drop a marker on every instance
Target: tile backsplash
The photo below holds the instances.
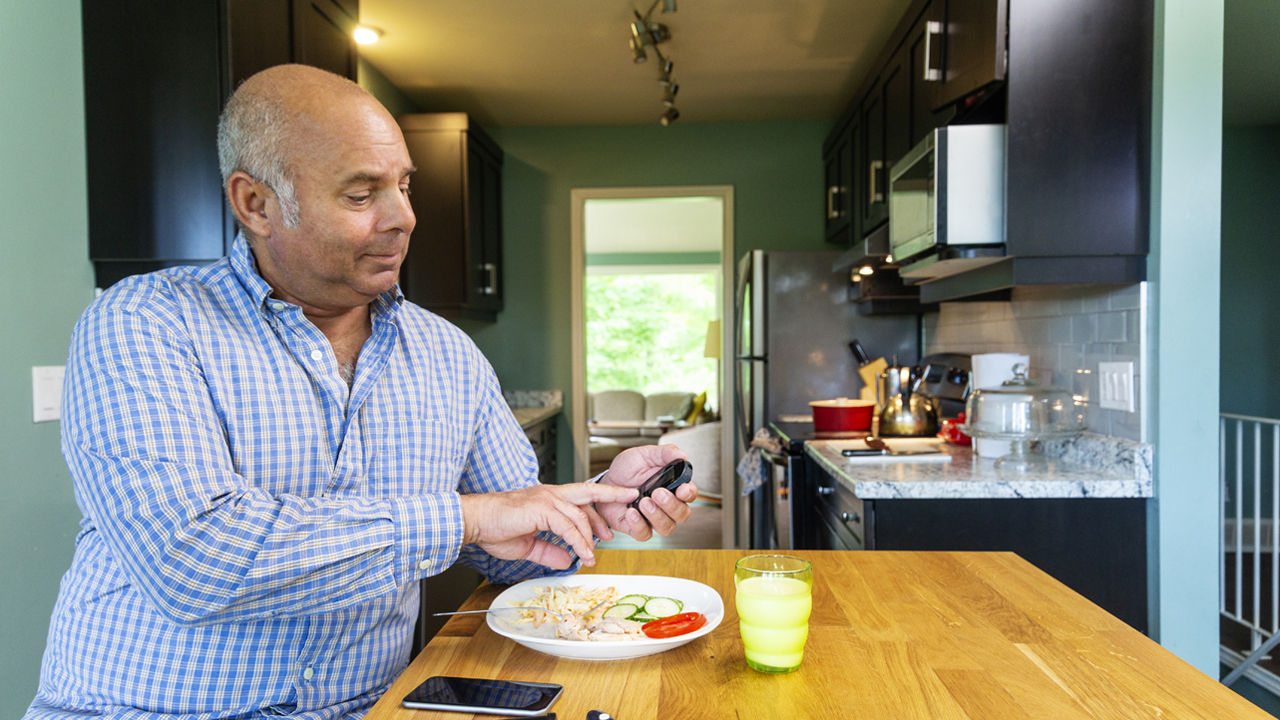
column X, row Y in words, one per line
column 1066, row 330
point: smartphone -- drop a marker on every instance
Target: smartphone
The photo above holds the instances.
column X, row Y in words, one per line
column 477, row 695
column 670, row 477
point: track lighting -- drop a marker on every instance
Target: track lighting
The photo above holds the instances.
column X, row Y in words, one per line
column 648, row 34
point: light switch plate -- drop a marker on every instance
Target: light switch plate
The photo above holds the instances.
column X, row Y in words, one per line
column 1115, row 386
column 46, row 391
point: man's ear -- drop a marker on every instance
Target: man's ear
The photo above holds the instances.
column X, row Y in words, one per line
column 249, row 199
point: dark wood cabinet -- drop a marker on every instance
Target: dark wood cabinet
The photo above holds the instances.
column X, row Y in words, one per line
column 454, row 264
column 542, row 438
column 1073, row 89
column 973, row 49
column 1095, row 546
column 153, row 91
column 156, row 78
column 838, row 170
column 322, row 35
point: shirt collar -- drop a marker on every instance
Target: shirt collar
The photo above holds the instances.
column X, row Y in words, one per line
column 383, row 307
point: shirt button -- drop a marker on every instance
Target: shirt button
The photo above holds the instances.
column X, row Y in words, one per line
column 308, row 674
column 277, row 306
column 424, row 564
column 316, row 355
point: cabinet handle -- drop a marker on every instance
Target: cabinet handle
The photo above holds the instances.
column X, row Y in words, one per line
column 876, row 167
column 832, row 213
column 824, row 490
column 931, row 28
column 850, row 517
column 492, row 271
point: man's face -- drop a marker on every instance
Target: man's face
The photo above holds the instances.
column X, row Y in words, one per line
column 351, row 175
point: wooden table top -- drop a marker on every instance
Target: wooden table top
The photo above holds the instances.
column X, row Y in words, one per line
column 892, row 635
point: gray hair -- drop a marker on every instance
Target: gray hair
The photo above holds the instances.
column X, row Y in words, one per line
column 253, row 138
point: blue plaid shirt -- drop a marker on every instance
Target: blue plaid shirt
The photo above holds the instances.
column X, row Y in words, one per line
column 254, row 528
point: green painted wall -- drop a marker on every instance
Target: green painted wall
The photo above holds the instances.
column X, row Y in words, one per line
column 377, row 85
column 1183, row 268
column 46, row 281
column 776, row 171
column 1250, row 350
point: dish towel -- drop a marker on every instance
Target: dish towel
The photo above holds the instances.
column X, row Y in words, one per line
column 753, row 468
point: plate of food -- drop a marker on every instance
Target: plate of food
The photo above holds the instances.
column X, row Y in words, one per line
column 606, row 617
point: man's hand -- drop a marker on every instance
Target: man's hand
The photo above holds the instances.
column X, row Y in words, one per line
column 503, row 523
column 663, row 508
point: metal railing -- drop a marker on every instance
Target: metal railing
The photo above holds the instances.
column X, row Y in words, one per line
column 1249, row 493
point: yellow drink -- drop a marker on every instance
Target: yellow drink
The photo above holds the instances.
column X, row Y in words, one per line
column 773, row 616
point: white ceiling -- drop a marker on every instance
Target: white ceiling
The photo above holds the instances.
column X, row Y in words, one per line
column 654, row 225
column 567, row 62
column 1251, row 63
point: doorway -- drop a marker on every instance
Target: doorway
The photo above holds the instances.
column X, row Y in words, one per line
column 652, row 277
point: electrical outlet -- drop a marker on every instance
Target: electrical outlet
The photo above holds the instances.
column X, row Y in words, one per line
column 1115, row 386
column 46, row 391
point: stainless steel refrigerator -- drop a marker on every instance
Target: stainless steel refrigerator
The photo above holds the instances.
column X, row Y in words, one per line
column 793, row 325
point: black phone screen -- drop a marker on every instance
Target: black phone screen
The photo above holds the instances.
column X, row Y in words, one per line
column 478, row 695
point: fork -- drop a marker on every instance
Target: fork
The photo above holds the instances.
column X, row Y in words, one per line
column 519, row 607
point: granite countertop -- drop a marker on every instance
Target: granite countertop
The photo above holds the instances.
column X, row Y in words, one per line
column 1091, row 466
column 533, row 406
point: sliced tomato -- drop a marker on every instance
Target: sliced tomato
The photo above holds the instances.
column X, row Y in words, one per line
column 674, row 625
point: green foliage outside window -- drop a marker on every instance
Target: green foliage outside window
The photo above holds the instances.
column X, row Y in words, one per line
column 647, row 333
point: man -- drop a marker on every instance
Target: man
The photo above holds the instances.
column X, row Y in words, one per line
column 269, row 452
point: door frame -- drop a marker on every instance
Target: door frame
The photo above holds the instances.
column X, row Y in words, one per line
column 577, row 272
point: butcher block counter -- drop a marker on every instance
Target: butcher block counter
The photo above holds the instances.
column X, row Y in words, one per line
column 893, row 635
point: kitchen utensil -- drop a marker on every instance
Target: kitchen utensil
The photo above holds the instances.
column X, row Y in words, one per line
column 904, row 450
column 696, row 597
column 860, row 355
column 876, row 446
column 842, row 415
column 904, row 412
column 953, row 432
column 517, row 607
column 1022, row 411
column 869, row 373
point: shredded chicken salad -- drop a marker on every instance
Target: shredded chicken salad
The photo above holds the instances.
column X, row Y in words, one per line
column 581, row 611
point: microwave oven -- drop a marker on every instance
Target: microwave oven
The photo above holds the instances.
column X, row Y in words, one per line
column 948, row 192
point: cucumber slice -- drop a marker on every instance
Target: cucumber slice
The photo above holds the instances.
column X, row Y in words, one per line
column 637, row 600
column 642, row 617
column 661, row 607
column 621, row 610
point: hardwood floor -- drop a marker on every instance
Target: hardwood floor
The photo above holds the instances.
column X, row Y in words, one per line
column 700, row 532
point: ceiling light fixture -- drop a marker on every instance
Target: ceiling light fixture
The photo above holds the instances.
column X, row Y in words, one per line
column 645, row 34
column 366, row 34
column 866, row 270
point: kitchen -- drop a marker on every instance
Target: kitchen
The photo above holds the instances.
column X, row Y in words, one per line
column 777, row 204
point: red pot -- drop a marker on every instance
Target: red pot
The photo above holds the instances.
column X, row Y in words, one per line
column 842, row 415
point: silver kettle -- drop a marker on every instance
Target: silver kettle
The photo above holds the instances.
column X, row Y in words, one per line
column 903, row 411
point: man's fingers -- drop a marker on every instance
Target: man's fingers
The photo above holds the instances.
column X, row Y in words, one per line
column 659, row 520
column 564, row 526
column 586, row 493
column 580, row 520
column 635, row 526
column 671, row 505
column 599, row 525
column 552, row 556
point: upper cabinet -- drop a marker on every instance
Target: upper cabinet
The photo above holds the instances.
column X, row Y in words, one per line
column 1071, row 82
column 454, row 264
column 156, row 77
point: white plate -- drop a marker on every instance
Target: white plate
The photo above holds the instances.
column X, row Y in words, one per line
column 695, row 596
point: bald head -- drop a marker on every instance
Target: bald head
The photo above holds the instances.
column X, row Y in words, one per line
column 282, row 115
